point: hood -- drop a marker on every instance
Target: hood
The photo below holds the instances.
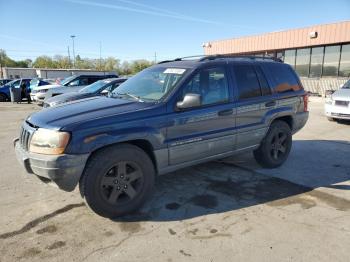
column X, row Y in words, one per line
column 342, row 94
column 46, row 87
column 66, row 116
column 72, row 96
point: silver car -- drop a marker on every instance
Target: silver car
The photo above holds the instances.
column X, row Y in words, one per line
column 338, row 104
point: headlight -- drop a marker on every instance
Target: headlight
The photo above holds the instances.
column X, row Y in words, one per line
column 329, row 100
column 49, row 142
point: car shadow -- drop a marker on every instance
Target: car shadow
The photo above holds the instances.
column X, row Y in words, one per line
column 239, row 182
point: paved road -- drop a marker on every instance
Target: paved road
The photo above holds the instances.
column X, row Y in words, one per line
column 228, row 210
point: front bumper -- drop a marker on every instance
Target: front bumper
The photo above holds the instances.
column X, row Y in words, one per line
column 64, row 170
column 338, row 112
column 38, row 97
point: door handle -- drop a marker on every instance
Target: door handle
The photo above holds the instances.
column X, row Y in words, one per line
column 271, row 103
column 225, row 112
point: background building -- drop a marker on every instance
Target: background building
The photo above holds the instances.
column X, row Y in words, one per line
column 320, row 54
column 15, row 72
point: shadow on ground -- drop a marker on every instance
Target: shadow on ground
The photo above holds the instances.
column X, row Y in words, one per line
column 226, row 185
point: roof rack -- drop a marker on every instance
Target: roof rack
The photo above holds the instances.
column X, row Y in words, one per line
column 181, row 58
column 213, row 57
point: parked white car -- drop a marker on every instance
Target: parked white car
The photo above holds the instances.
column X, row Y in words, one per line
column 338, row 104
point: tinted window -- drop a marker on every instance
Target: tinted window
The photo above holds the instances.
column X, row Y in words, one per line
column 302, row 61
column 316, row 61
column 344, row 69
column 289, row 57
column 265, row 88
column 211, row 84
column 92, row 80
column 285, row 79
column 247, row 81
column 331, row 60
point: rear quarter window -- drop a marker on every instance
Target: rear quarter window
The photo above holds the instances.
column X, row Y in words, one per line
column 285, row 79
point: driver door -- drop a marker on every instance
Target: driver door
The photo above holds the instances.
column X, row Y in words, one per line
column 207, row 130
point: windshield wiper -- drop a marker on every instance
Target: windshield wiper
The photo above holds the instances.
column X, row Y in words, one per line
column 131, row 95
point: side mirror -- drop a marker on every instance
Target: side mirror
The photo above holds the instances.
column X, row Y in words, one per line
column 105, row 92
column 189, row 101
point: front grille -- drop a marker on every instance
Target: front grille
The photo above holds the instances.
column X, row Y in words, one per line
column 341, row 103
column 24, row 138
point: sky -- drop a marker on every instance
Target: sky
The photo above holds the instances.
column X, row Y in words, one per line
column 137, row 29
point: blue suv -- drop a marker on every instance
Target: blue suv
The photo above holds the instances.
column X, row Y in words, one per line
column 172, row 115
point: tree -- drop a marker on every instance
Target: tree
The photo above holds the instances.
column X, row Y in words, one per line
column 59, row 61
column 44, row 62
column 5, row 60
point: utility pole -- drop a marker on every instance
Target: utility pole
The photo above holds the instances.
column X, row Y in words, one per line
column 100, row 56
column 155, row 57
column 73, row 36
column 68, row 57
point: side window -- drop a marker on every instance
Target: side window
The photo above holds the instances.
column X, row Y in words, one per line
column 114, row 86
column 84, row 81
column 74, row 82
column 211, row 84
column 91, row 80
column 247, row 81
column 284, row 78
column 265, row 88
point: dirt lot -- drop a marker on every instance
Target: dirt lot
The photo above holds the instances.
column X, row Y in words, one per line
column 228, row 210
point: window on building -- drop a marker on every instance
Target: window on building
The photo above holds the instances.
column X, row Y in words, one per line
column 302, row 61
column 316, row 61
column 280, row 55
column 289, row 57
column 270, row 54
column 331, row 60
column 344, row 68
column 247, row 81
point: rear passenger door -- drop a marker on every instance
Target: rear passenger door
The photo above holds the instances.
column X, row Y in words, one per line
column 253, row 99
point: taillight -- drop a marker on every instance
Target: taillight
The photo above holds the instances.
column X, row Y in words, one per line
column 306, row 102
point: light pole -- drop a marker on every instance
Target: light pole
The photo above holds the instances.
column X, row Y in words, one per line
column 73, row 36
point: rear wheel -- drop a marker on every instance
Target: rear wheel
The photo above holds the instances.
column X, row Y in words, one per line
column 3, row 97
column 117, row 180
column 275, row 147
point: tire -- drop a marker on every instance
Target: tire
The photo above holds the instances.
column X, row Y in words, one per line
column 117, row 180
column 3, row 97
column 331, row 119
column 275, row 147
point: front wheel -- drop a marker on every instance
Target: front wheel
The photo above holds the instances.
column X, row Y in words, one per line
column 117, row 180
column 275, row 147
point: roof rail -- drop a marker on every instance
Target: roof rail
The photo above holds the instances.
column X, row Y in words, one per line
column 217, row 56
column 213, row 57
column 181, row 58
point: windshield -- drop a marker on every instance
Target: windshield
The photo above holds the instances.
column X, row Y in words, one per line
column 67, row 80
column 95, row 87
column 347, row 85
column 12, row 82
column 151, row 84
column 34, row 82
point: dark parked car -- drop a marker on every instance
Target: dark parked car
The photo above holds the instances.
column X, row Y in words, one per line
column 172, row 115
column 69, row 84
column 101, row 87
column 29, row 83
